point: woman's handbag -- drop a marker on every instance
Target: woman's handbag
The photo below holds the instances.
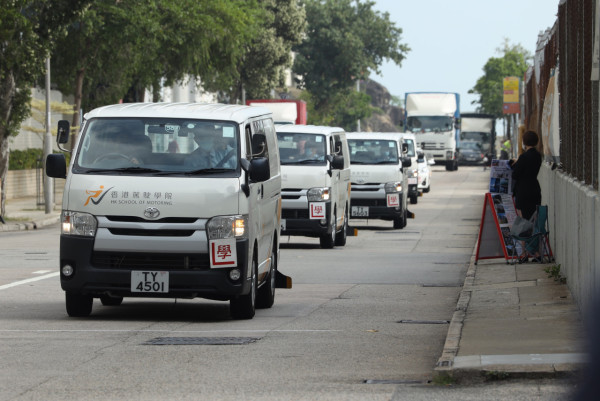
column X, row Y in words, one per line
column 522, row 227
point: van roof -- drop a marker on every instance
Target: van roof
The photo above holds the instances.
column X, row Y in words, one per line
column 373, row 135
column 203, row 111
column 308, row 129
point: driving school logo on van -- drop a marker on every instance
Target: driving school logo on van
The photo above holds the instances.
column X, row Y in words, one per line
column 96, row 196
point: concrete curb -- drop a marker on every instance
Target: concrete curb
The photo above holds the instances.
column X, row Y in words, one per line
column 29, row 225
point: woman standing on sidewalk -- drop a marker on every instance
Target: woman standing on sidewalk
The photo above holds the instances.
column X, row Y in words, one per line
column 527, row 191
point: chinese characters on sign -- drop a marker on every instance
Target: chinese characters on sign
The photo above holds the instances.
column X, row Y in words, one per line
column 317, row 210
column 223, row 253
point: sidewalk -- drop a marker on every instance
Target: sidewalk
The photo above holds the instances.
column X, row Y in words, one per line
column 512, row 320
column 25, row 214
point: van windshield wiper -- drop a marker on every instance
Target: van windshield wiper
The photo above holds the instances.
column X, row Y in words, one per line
column 305, row 161
column 123, row 170
column 208, row 171
column 386, row 162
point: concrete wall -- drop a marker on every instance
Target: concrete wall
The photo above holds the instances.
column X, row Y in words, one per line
column 23, row 184
column 574, row 216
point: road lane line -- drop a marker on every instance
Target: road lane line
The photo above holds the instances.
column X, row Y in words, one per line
column 161, row 331
column 29, row 280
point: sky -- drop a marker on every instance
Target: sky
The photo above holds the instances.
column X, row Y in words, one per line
column 451, row 40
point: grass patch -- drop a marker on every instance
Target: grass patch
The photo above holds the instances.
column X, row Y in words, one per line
column 443, row 379
column 554, row 272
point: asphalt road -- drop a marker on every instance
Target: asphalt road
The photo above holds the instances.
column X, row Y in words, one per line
column 362, row 322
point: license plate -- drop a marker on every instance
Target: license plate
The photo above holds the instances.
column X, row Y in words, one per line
column 149, row 281
column 412, row 181
column 360, row 211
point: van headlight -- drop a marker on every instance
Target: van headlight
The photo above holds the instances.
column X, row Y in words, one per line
column 392, row 187
column 318, row 194
column 77, row 223
column 221, row 227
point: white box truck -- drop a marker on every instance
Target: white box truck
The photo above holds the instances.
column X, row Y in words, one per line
column 171, row 200
column 434, row 118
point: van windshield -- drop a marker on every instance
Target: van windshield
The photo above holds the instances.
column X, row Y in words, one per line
column 158, row 145
column 298, row 148
column 373, row 151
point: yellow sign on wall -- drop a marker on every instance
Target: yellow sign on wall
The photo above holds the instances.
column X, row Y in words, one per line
column 511, row 95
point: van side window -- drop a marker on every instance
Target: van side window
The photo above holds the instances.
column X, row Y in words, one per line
column 338, row 149
column 248, row 139
column 259, row 142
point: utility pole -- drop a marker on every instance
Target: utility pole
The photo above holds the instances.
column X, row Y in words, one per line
column 358, row 90
column 48, row 181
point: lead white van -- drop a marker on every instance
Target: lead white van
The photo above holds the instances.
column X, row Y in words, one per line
column 315, row 170
column 171, row 200
column 379, row 188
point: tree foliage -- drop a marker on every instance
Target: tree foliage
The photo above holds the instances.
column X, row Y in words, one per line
column 489, row 87
column 28, row 31
column 345, row 40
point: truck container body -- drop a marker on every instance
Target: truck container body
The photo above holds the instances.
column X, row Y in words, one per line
column 285, row 111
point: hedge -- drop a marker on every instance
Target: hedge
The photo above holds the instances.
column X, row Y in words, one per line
column 27, row 159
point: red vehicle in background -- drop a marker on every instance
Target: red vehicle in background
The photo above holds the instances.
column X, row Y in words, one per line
column 284, row 111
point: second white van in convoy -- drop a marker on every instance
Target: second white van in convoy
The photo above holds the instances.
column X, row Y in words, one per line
column 315, row 171
column 379, row 188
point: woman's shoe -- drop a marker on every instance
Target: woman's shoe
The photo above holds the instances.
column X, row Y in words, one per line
column 523, row 259
column 536, row 259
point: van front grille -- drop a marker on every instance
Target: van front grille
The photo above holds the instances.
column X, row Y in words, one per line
column 149, row 261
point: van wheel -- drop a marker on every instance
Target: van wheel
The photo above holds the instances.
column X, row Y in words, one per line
column 111, row 301
column 327, row 241
column 398, row 222
column 244, row 306
column 78, row 305
column 340, row 238
column 426, row 190
column 413, row 199
column 265, row 297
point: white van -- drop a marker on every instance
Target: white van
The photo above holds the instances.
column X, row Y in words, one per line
column 171, row 200
column 412, row 173
column 315, row 170
column 379, row 188
column 424, row 178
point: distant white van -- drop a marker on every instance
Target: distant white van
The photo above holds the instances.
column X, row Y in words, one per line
column 379, row 187
column 412, row 173
column 171, row 200
column 315, row 170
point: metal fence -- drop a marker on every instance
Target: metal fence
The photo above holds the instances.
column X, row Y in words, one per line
column 568, row 48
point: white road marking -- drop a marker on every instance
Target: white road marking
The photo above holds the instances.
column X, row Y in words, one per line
column 164, row 331
column 41, row 271
column 29, row 280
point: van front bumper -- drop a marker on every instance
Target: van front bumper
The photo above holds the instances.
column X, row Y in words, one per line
column 298, row 222
column 378, row 209
column 109, row 273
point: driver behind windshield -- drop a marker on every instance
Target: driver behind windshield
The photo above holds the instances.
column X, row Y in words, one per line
column 212, row 151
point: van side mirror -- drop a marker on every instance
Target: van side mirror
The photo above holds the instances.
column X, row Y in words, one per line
column 406, row 162
column 64, row 128
column 457, row 123
column 56, row 165
column 337, row 163
column 260, row 170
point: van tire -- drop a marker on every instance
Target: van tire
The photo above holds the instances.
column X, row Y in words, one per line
column 111, row 301
column 327, row 240
column 78, row 305
column 340, row 238
column 244, row 306
column 414, row 199
column 265, row 297
column 426, row 190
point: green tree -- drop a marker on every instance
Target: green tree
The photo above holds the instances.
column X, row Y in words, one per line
column 28, row 31
column 489, row 87
column 345, row 40
column 268, row 56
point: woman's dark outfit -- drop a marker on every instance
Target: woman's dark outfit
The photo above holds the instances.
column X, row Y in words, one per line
column 527, row 191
